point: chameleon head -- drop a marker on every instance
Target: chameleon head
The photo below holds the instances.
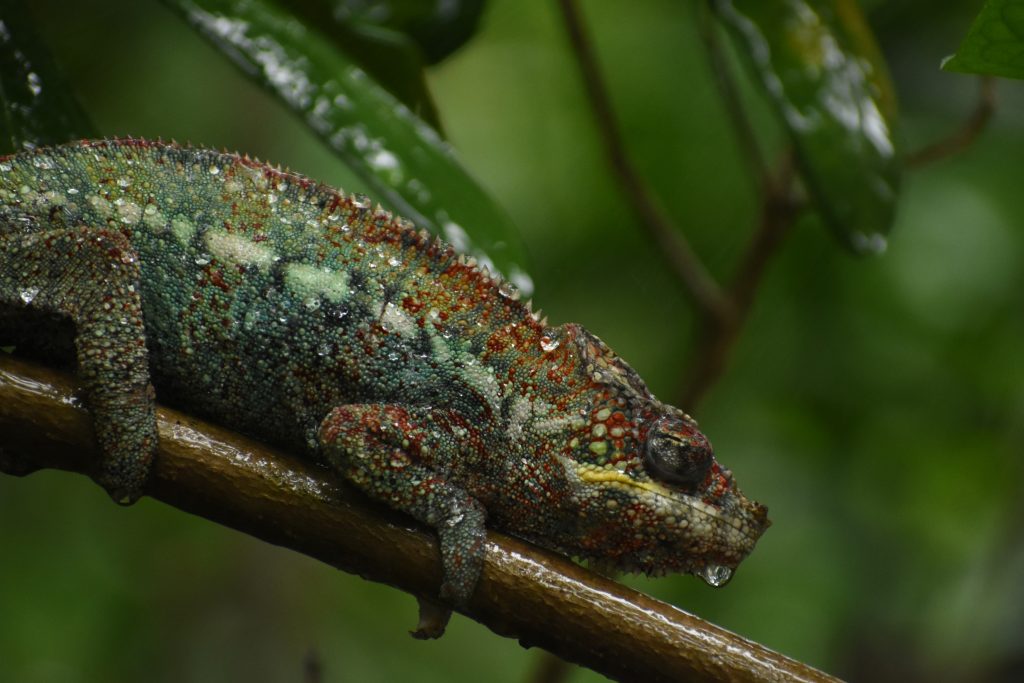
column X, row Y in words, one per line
column 651, row 496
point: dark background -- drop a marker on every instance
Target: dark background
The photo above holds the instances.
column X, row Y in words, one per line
column 875, row 405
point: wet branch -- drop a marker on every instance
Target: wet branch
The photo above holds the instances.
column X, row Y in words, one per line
column 746, row 138
column 717, row 338
column 963, row 137
column 539, row 597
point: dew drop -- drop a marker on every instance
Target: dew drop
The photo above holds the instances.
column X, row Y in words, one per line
column 715, row 574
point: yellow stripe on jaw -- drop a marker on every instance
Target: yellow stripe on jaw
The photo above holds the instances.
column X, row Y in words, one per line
column 592, row 476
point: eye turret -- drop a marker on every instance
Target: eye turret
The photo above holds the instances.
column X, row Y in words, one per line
column 677, row 452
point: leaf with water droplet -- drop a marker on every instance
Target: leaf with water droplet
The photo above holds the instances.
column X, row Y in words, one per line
column 995, row 43
column 393, row 40
column 37, row 106
column 823, row 72
column 398, row 155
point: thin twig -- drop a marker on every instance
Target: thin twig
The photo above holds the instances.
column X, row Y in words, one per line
column 717, row 339
column 677, row 250
column 745, row 136
column 964, row 136
column 527, row 593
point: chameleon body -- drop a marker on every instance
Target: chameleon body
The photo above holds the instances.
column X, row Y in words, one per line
column 288, row 310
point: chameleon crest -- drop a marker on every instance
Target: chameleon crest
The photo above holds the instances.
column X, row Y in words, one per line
column 288, row 310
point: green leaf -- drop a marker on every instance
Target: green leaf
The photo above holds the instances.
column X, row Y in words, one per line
column 36, row 105
column 399, row 156
column 393, row 40
column 389, row 56
column 995, row 43
column 438, row 28
column 820, row 66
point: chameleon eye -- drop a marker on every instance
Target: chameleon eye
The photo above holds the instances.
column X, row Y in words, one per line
column 677, row 452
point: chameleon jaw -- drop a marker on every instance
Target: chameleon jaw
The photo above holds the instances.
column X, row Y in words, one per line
column 588, row 474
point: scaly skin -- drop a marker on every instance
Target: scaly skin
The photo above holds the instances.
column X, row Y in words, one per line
column 285, row 309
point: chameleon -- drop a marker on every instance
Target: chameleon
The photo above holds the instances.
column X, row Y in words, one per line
column 302, row 315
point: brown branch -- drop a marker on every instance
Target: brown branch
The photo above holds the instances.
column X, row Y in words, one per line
column 684, row 261
column 541, row 598
column 779, row 209
column 963, row 137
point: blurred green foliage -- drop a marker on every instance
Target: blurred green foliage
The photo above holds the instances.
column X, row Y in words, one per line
column 876, row 406
column 820, row 67
column 36, row 106
column 995, row 43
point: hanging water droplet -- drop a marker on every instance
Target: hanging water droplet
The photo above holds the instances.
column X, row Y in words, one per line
column 27, row 295
column 869, row 244
column 715, row 574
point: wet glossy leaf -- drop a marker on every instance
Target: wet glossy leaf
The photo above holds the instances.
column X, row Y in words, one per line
column 819, row 65
column 36, row 106
column 438, row 28
column 995, row 43
column 400, row 157
column 389, row 56
column 393, row 40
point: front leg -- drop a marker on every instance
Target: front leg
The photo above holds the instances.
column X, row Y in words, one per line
column 92, row 277
column 406, row 458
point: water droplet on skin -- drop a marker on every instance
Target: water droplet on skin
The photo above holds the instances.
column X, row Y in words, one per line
column 715, row 575
column 508, row 290
column 549, row 343
column 29, row 294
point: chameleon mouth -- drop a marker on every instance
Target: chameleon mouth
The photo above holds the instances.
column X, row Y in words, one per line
column 595, row 476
